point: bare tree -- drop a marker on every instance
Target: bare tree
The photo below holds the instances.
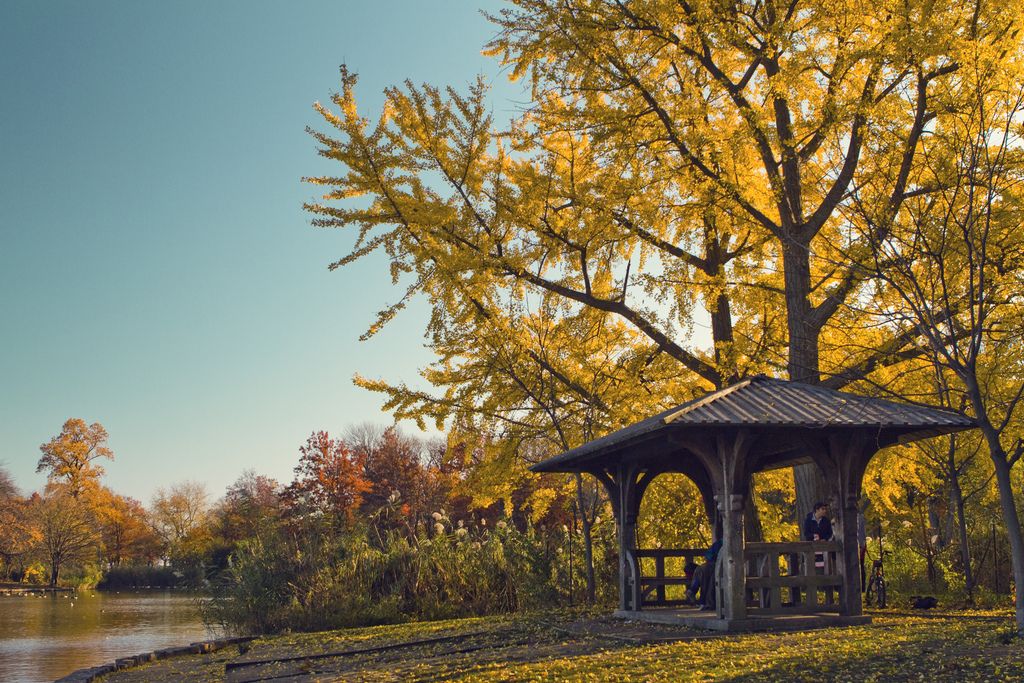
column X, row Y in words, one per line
column 67, row 531
column 7, row 488
column 178, row 509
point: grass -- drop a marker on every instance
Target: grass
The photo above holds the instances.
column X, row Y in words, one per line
column 950, row 646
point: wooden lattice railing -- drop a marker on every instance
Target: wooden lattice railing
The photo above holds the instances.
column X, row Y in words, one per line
column 783, row 578
column 655, row 584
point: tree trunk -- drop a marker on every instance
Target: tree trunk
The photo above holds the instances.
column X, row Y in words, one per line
column 965, row 549
column 752, row 519
column 803, row 365
column 721, row 311
column 722, row 335
column 588, row 540
column 949, row 519
column 926, row 542
column 811, row 488
column 935, row 522
column 1013, row 532
column 1007, row 504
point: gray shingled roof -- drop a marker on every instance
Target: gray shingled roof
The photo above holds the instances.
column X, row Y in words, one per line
column 763, row 401
column 774, row 403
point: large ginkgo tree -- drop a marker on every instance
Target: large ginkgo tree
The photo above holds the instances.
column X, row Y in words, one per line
column 680, row 164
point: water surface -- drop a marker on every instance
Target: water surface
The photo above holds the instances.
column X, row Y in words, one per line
column 44, row 637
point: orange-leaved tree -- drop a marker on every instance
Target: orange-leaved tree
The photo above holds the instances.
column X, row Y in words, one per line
column 70, row 456
column 329, row 480
column 125, row 531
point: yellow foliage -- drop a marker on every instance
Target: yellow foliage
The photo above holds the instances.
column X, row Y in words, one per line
column 698, row 192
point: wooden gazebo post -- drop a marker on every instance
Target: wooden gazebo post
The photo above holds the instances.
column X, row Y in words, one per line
column 731, row 451
column 629, row 508
column 843, row 462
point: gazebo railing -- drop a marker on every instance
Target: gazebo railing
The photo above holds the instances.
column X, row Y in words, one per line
column 797, row 577
column 656, row 584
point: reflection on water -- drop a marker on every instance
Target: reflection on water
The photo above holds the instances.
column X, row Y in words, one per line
column 43, row 637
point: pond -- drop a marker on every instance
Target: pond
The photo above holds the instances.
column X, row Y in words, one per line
column 44, row 637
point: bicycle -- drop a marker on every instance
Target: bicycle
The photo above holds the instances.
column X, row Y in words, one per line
column 876, row 586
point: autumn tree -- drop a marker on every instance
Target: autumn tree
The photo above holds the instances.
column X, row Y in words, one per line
column 535, row 385
column 396, row 472
column 18, row 534
column 124, row 527
column 251, row 507
column 955, row 269
column 958, row 462
column 679, row 162
column 67, row 529
column 70, row 457
column 329, row 480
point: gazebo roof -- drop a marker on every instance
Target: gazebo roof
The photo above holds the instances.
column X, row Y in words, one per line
column 766, row 403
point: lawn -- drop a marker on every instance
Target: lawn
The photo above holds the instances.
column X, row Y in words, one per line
column 948, row 646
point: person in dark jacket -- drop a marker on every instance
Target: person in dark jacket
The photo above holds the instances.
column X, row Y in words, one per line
column 817, row 525
column 702, row 581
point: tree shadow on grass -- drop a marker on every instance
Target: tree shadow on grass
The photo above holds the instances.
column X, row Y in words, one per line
column 433, row 661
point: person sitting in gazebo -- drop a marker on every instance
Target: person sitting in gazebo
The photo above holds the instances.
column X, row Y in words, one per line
column 818, row 527
column 702, row 582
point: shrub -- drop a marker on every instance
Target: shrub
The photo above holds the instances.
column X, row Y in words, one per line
column 34, row 574
column 320, row 580
column 83, row 577
column 139, row 576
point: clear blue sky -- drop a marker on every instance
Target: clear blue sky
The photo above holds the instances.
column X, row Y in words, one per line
column 157, row 273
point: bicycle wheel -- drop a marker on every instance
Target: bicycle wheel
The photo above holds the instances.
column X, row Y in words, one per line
column 869, row 595
column 881, row 593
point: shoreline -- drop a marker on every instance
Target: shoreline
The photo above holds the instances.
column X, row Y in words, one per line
column 18, row 589
column 89, row 674
column 21, row 589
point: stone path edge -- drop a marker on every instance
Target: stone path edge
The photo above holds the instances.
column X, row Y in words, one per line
column 202, row 647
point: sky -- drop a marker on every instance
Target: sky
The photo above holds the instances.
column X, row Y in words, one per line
column 157, row 272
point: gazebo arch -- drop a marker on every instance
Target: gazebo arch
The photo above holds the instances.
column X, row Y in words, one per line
column 720, row 441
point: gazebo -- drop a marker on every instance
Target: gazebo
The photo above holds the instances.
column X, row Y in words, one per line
column 720, row 441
